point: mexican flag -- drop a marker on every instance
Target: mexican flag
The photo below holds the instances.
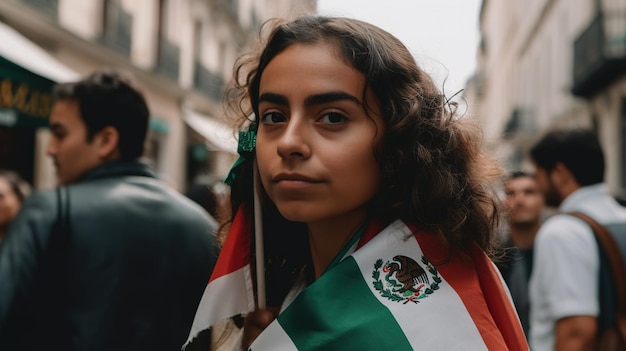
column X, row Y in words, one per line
column 230, row 290
column 396, row 289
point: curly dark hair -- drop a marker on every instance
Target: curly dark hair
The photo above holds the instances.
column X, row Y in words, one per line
column 434, row 171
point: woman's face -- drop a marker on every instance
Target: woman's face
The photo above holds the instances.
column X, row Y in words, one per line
column 9, row 203
column 315, row 141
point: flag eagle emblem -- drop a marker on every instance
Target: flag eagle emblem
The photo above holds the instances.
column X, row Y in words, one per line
column 404, row 280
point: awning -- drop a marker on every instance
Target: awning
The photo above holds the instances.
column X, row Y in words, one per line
column 27, row 74
column 19, row 49
column 218, row 135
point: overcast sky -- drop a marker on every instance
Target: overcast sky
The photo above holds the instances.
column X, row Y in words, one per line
column 441, row 34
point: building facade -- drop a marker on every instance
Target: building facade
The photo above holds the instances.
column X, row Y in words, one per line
column 181, row 53
column 545, row 64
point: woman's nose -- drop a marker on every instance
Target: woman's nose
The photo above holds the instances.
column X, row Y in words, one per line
column 294, row 141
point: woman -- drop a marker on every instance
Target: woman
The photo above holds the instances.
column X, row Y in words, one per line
column 377, row 204
column 13, row 190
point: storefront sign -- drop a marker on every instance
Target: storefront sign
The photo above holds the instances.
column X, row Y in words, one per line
column 25, row 97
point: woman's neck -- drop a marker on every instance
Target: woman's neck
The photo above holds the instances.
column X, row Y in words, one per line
column 326, row 239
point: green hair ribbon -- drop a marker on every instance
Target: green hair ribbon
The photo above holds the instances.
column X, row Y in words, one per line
column 245, row 149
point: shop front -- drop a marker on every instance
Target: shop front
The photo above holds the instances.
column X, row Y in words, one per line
column 25, row 103
column 27, row 75
column 211, row 149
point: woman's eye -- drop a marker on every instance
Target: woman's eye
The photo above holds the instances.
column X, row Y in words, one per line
column 333, row 118
column 273, row 117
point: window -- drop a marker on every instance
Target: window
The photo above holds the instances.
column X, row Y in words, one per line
column 231, row 6
column 49, row 7
column 168, row 59
column 117, row 26
column 204, row 78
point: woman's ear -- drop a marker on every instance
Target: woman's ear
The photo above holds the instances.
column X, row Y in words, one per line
column 108, row 143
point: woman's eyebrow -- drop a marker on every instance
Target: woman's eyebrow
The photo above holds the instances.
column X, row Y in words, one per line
column 273, row 98
column 330, row 97
column 310, row 100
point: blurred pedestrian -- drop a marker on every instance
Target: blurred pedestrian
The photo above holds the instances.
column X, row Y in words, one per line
column 113, row 259
column 524, row 212
column 376, row 201
column 205, row 191
column 13, row 191
column 565, row 281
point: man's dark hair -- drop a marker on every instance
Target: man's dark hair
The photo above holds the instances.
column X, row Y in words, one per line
column 518, row 174
column 578, row 149
column 106, row 98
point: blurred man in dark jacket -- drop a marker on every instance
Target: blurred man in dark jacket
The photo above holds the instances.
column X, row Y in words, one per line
column 524, row 206
column 113, row 259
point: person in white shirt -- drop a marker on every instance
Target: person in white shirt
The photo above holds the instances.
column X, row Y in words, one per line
column 564, row 283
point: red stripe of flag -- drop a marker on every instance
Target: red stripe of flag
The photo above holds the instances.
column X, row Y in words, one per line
column 235, row 254
column 483, row 296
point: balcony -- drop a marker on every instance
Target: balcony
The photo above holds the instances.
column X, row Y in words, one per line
column 208, row 82
column 520, row 124
column 231, row 6
column 600, row 53
column 169, row 59
column 118, row 26
column 49, row 7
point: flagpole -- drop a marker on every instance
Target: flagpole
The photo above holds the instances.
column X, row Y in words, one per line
column 258, row 239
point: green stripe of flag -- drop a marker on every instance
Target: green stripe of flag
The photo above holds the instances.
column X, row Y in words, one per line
column 339, row 312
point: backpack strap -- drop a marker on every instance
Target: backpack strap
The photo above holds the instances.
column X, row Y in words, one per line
column 63, row 203
column 610, row 248
column 60, row 235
